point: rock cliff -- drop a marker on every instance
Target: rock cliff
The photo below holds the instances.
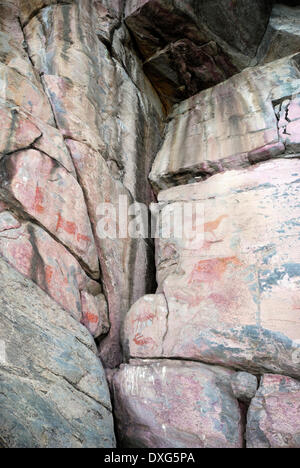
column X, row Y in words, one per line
column 113, row 109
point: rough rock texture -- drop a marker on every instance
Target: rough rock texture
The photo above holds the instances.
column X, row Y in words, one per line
column 273, row 417
column 112, row 124
column 53, row 391
column 244, row 386
column 169, row 404
column 233, row 297
column 283, row 34
column 87, row 89
column 80, row 126
column 190, row 45
column 235, row 124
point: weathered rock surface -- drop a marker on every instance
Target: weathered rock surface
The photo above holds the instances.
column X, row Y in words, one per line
column 189, row 46
column 38, row 256
column 273, row 417
column 244, row 386
column 232, row 125
column 167, row 404
column 233, row 297
column 53, row 391
column 84, row 91
column 53, row 197
column 112, row 120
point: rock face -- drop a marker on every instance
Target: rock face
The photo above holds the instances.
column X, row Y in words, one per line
column 235, row 124
column 283, row 34
column 244, row 386
column 231, row 297
column 176, row 404
column 273, row 418
column 205, row 97
column 191, row 45
column 53, row 391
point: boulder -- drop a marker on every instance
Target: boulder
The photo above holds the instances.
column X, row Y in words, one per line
column 244, row 386
column 232, row 125
column 170, row 404
column 273, row 416
column 45, row 191
column 35, row 254
column 53, row 391
column 232, row 293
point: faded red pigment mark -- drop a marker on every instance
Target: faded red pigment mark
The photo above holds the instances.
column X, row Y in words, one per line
column 67, row 226
column 208, row 271
column 145, row 315
column 211, row 226
column 90, row 318
column 190, row 297
column 81, row 237
column 38, row 201
column 140, row 340
column 48, row 273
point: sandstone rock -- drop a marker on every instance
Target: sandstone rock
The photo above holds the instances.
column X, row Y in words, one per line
column 95, row 314
column 229, row 126
column 112, row 123
column 52, row 196
column 29, row 8
column 232, row 298
column 20, row 131
column 126, row 265
column 53, row 391
column 9, row 23
column 147, row 327
column 273, row 417
column 191, row 45
column 169, row 404
column 282, row 37
column 98, row 104
column 20, row 91
column 244, row 386
column 35, row 254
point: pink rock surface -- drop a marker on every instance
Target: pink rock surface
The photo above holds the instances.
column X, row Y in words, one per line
column 20, row 91
column 233, row 298
column 20, row 130
column 94, row 313
column 68, row 101
column 35, row 254
column 273, row 417
column 169, row 404
column 146, row 326
column 52, row 196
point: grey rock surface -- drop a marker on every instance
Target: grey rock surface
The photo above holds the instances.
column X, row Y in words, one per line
column 53, row 391
column 244, row 386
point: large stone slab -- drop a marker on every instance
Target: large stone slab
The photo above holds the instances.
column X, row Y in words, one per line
column 170, row 404
column 110, row 116
column 228, row 126
column 53, row 391
column 273, row 416
column 52, row 196
column 233, row 297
